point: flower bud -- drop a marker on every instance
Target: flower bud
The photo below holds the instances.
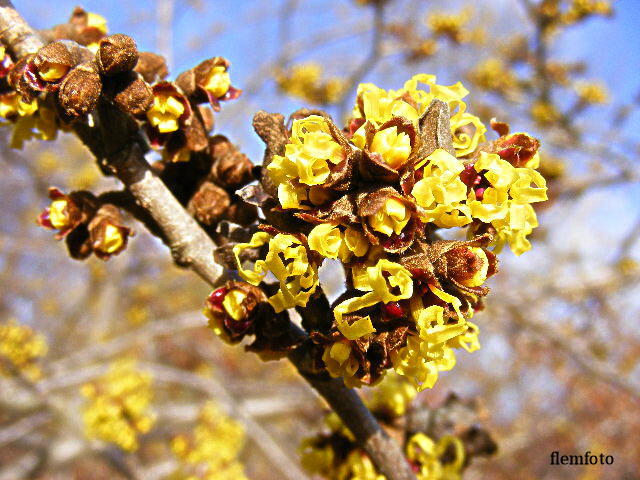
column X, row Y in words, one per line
column 209, row 203
column 67, row 212
column 241, row 213
column 152, row 67
column 130, row 93
column 80, row 91
column 116, row 54
column 391, row 218
column 233, row 309
column 52, row 63
column 231, row 169
column 108, row 236
column 468, row 266
column 209, row 81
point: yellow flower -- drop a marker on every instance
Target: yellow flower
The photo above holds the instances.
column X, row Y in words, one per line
column 165, row 112
column 440, row 192
column 506, row 203
column 450, row 25
column 218, row 81
column 325, row 239
column 592, row 93
column 393, row 395
column 113, row 239
column 385, row 282
column 392, row 217
column 427, row 455
column 341, row 362
column 393, row 146
column 305, row 81
column 232, row 303
column 287, row 259
column 21, row 347
column 492, row 74
column 431, row 350
column 307, row 159
column 50, row 72
column 378, row 106
column 117, row 408
column 12, row 105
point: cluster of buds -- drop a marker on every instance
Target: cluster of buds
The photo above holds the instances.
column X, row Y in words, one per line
column 372, row 196
column 20, row 349
column 117, row 408
column 214, row 198
column 211, row 451
column 67, row 79
column 440, row 450
column 87, row 224
column 305, row 81
column 240, row 309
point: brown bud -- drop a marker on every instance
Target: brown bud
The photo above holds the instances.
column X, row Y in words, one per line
column 130, row 93
column 231, row 169
column 152, row 67
column 209, row 203
column 53, row 62
column 241, row 213
column 80, row 90
column 116, row 54
column 108, row 235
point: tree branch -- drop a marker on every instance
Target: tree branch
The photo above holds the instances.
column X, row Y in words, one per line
column 120, row 149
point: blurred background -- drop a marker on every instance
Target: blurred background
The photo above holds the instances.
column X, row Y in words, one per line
column 559, row 364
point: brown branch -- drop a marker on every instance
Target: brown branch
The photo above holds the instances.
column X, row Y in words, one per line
column 119, row 148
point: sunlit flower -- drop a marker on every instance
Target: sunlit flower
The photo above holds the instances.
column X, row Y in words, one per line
column 441, row 192
column 288, row 260
column 307, row 161
column 305, row 81
column 392, row 217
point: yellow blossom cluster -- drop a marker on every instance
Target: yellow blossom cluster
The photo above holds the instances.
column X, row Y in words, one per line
column 592, row 93
column 544, row 113
column 370, row 195
column 117, row 407
column 211, row 451
column 580, row 9
column 450, row 25
column 493, row 75
column 305, row 81
column 20, row 349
